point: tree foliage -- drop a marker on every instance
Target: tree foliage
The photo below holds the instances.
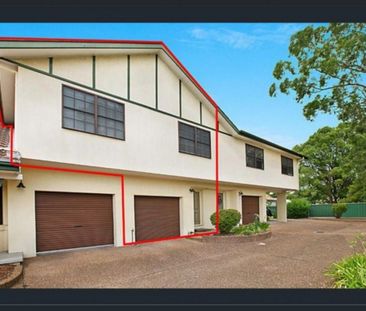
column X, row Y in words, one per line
column 326, row 70
column 357, row 191
column 327, row 172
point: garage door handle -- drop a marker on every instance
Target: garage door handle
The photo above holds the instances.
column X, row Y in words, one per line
column 78, row 226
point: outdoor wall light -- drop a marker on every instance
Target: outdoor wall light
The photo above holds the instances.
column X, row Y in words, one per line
column 240, row 193
column 191, row 190
column 21, row 185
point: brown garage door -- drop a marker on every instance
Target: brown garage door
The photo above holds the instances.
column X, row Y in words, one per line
column 156, row 217
column 69, row 220
column 249, row 206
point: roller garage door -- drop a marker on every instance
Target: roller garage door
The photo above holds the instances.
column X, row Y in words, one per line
column 70, row 220
column 156, row 217
column 250, row 207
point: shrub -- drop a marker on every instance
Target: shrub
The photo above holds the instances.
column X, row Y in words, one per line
column 229, row 218
column 339, row 209
column 298, row 208
column 253, row 228
column 349, row 272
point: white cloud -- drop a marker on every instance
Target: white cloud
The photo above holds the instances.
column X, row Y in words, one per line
column 245, row 39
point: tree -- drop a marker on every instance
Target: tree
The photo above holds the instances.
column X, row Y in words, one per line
column 357, row 191
column 327, row 172
column 326, row 70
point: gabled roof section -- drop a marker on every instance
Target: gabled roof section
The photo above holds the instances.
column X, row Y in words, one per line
column 21, row 43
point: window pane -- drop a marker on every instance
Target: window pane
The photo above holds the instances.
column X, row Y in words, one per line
column 102, row 130
column 118, row 115
column 250, row 151
column 68, row 91
column 89, row 107
column 119, row 108
column 110, row 105
column 203, row 136
column 80, row 95
column 79, row 125
column 69, row 113
column 110, row 123
column 251, row 161
column 68, row 102
column 101, row 121
column 80, row 105
column 259, row 153
column 89, row 127
column 110, row 113
column 102, row 102
column 79, row 116
column 186, row 131
column 110, row 132
column 102, row 111
column 119, row 134
column 89, row 98
column 89, row 118
column 68, row 123
column 203, row 150
column 119, row 125
column 186, row 145
column 259, row 163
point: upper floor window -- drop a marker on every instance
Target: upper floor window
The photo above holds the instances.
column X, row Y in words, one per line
column 254, row 156
column 194, row 140
column 92, row 114
column 287, row 166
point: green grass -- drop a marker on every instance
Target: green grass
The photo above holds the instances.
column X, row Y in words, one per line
column 253, row 228
column 350, row 272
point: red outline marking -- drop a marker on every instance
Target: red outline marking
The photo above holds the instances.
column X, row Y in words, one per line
column 121, row 176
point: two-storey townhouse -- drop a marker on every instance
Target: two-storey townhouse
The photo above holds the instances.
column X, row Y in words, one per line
column 120, row 107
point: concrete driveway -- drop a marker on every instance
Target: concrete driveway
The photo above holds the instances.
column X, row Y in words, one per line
column 296, row 256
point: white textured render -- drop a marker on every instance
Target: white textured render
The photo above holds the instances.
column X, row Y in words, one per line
column 156, row 99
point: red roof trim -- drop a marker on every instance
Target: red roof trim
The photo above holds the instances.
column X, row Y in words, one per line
column 147, row 42
column 74, row 40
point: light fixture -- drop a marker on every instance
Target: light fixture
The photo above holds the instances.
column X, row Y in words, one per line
column 21, row 185
column 191, row 190
column 240, row 193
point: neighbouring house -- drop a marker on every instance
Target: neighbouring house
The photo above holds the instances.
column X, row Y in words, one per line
column 120, row 107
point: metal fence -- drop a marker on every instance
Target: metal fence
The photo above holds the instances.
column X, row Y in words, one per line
column 325, row 210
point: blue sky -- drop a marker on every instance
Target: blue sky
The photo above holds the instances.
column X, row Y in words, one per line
column 233, row 62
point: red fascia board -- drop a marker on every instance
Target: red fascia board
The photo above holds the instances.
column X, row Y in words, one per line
column 142, row 42
column 76, row 40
